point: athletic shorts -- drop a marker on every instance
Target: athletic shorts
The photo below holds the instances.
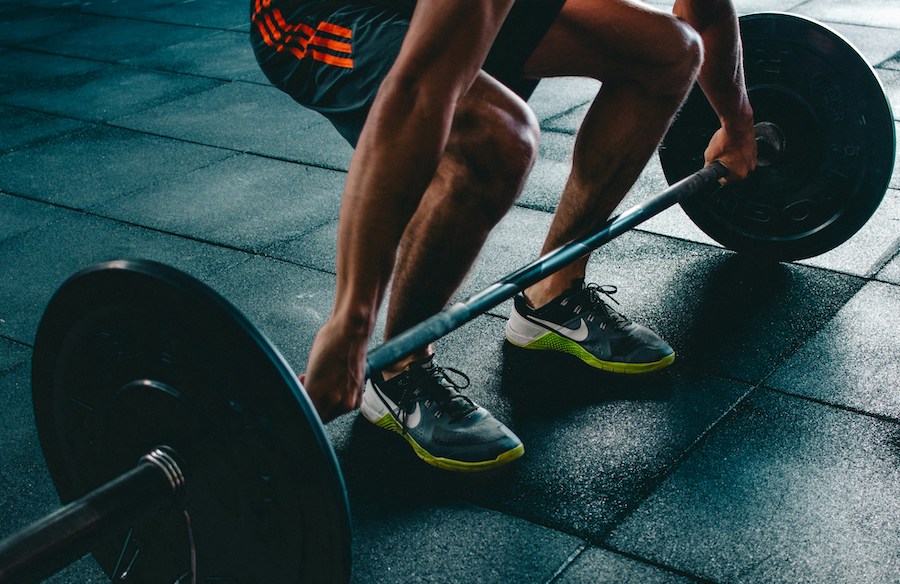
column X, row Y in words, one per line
column 332, row 55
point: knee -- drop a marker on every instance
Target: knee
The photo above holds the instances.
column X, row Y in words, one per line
column 681, row 58
column 494, row 145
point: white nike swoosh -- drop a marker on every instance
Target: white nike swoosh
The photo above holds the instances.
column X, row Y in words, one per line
column 578, row 335
column 413, row 418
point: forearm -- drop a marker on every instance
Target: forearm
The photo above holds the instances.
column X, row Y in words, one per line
column 722, row 73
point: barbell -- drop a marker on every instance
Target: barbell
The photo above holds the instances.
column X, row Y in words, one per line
column 185, row 448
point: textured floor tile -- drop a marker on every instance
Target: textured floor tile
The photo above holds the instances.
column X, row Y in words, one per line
column 595, row 565
column 875, row 44
column 315, row 249
column 249, row 118
column 852, row 361
column 224, row 14
column 20, row 128
column 891, row 272
column 45, row 257
column 115, row 39
column 12, row 354
column 107, row 93
column 567, row 121
column 27, row 71
column 223, row 55
column 20, row 455
column 101, row 163
column 461, row 543
column 872, row 13
column 126, row 8
column 599, row 448
column 246, row 202
column 26, row 491
column 744, row 6
column 893, row 63
column 20, row 215
column 28, row 24
column 890, row 79
column 286, row 302
column 783, row 491
column 866, row 251
column 548, row 177
column 556, row 96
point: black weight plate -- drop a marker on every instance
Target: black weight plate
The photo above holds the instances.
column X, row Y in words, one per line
column 838, row 144
column 132, row 354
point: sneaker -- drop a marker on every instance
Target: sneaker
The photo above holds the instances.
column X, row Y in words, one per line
column 445, row 428
column 580, row 323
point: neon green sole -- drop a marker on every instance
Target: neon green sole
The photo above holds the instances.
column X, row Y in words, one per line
column 554, row 342
column 387, row 422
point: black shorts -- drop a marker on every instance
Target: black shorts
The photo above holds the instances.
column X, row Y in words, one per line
column 332, row 55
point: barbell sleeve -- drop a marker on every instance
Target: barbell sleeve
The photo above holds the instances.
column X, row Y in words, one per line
column 55, row 541
column 458, row 314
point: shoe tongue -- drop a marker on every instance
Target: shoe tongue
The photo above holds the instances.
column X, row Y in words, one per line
column 613, row 315
column 453, row 402
column 427, row 363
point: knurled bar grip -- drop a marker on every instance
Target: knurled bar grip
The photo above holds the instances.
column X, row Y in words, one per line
column 55, row 541
column 458, row 314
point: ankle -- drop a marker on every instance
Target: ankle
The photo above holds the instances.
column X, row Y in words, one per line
column 549, row 289
column 403, row 364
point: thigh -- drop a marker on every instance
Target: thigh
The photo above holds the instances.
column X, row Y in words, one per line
column 329, row 56
column 524, row 27
column 606, row 39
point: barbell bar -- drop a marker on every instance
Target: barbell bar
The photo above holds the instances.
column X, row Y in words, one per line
column 185, row 447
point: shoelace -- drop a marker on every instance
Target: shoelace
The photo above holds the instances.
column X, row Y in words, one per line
column 593, row 292
column 435, row 382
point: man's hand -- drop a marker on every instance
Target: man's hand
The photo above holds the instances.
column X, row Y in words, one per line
column 735, row 149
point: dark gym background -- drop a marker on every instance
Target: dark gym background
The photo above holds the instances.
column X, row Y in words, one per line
column 770, row 452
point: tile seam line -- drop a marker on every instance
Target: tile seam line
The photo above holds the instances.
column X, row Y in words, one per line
column 651, row 486
column 67, row 10
column 216, row 244
column 112, row 124
column 16, row 342
column 585, row 544
column 886, row 258
column 251, row 152
column 125, row 63
column 660, row 565
column 568, row 562
column 832, row 405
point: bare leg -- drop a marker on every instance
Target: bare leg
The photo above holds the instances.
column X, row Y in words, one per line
column 492, row 148
column 647, row 61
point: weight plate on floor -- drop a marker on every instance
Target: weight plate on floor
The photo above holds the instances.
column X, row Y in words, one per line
column 131, row 355
column 838, row 152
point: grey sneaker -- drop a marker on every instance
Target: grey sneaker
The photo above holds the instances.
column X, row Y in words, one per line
column 445, row 428
column 580, row 323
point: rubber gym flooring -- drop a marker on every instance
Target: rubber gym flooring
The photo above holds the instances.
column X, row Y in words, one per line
column 770, row 451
